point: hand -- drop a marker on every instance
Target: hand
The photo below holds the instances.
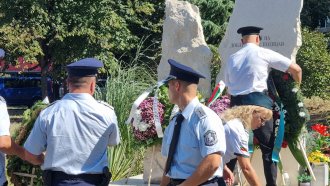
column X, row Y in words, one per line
column 228, row 176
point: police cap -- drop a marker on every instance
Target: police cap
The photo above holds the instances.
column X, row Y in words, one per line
column 249, row 30
column 86, row 67
column 184, row 73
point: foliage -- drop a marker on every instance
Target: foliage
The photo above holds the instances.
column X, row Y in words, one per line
column 314, row 60
column 296, row 114
column 120, row 91
column 215, row 15
column 314, row 13
column 304, row 178
column 15, row 164
column 54, row 33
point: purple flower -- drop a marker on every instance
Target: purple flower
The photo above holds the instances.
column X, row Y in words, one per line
column 220, row 105
column 147, row 117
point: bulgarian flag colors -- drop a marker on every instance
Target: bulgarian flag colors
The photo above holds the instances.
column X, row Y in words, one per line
column 216, row 92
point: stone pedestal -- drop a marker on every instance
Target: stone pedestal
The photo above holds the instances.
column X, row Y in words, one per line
column 153, row 165
column 321, row 172
column 290, row 165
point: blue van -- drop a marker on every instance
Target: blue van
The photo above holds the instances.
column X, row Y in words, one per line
column 22, row 90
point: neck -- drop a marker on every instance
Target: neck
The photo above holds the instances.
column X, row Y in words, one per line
column 184, row 101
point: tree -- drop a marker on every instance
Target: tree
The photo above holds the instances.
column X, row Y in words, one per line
column 314, row 59
column 315, row 12
column 54, row 33
column 215, row 16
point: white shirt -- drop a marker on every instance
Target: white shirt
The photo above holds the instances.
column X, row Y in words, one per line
column 201, row 134
column 75, row 133
column 4, row 131
column 237, row 140
column 247, row 70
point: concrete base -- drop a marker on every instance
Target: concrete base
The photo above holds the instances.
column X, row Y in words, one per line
column 290, row 165
column 135, row 180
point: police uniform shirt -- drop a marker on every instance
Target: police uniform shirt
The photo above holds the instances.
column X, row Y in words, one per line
column 247, row 70
column 237, row 139
column 4, row 131
column 201, row 134
column 75, row 133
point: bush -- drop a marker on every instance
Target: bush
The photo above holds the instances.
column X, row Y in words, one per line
column 314, row 59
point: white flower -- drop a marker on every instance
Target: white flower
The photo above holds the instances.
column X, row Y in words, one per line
column 277, row 108
column 142, row 126
column 302, row 114
column 295, row 90
column 300, row 104
column 277, row 122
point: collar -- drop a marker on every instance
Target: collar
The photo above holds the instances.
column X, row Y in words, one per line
column 190, row 108
column 78, row 96
column 250, row 44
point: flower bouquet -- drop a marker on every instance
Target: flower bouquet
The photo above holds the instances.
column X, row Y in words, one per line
column 151, row 117
column 319, row 144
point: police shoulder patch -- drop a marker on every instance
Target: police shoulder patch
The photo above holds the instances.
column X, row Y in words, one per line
column 210, row 138
column 200, row 112
column 105, row 103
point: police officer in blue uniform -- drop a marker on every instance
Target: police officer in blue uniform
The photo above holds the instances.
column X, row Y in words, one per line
column 194, row 142
column 75, row 132
column 246, row 75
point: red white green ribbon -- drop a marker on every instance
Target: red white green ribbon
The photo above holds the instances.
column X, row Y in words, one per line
column 216, row 92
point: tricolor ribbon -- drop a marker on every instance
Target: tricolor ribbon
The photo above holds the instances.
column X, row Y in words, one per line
column 250, row 145
column 216, row 92
column 279, row 137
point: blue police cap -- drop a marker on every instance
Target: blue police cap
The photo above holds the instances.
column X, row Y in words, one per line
column 249, row 30
column 258, row 99
column 184, row 73
column 84, row 67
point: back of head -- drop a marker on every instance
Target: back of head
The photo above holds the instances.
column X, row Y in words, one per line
column 82, row 74
column 250, row 34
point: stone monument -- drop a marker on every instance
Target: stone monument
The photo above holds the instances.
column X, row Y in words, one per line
column 281, row 22
column 183, row 40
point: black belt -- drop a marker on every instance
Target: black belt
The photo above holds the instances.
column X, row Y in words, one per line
column 65, row 176
column 179, row 181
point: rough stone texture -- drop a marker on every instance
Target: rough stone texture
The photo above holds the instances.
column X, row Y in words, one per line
column 280, row 20
column 153, row 165
column 183, row 40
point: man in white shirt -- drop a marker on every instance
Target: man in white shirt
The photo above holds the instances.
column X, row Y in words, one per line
column 246, row 77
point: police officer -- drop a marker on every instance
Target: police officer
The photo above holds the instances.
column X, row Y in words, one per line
column 75, row 132
column 194, row 141
column 246, row 75
column 239, row 120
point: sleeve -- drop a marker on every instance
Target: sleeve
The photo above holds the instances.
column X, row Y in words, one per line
column 212, row 135
column 240, row 139
column 114, row 136
column 277, row 60
column 36, row 143
column 4, row 120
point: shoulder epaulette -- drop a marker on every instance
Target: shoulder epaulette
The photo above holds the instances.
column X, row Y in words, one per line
column 105, row 103
column 200, row 112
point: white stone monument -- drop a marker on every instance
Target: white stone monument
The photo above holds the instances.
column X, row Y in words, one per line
column 183, row 40
column 281, row 22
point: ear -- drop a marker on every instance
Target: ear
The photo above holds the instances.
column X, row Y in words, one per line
column 92, row 87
